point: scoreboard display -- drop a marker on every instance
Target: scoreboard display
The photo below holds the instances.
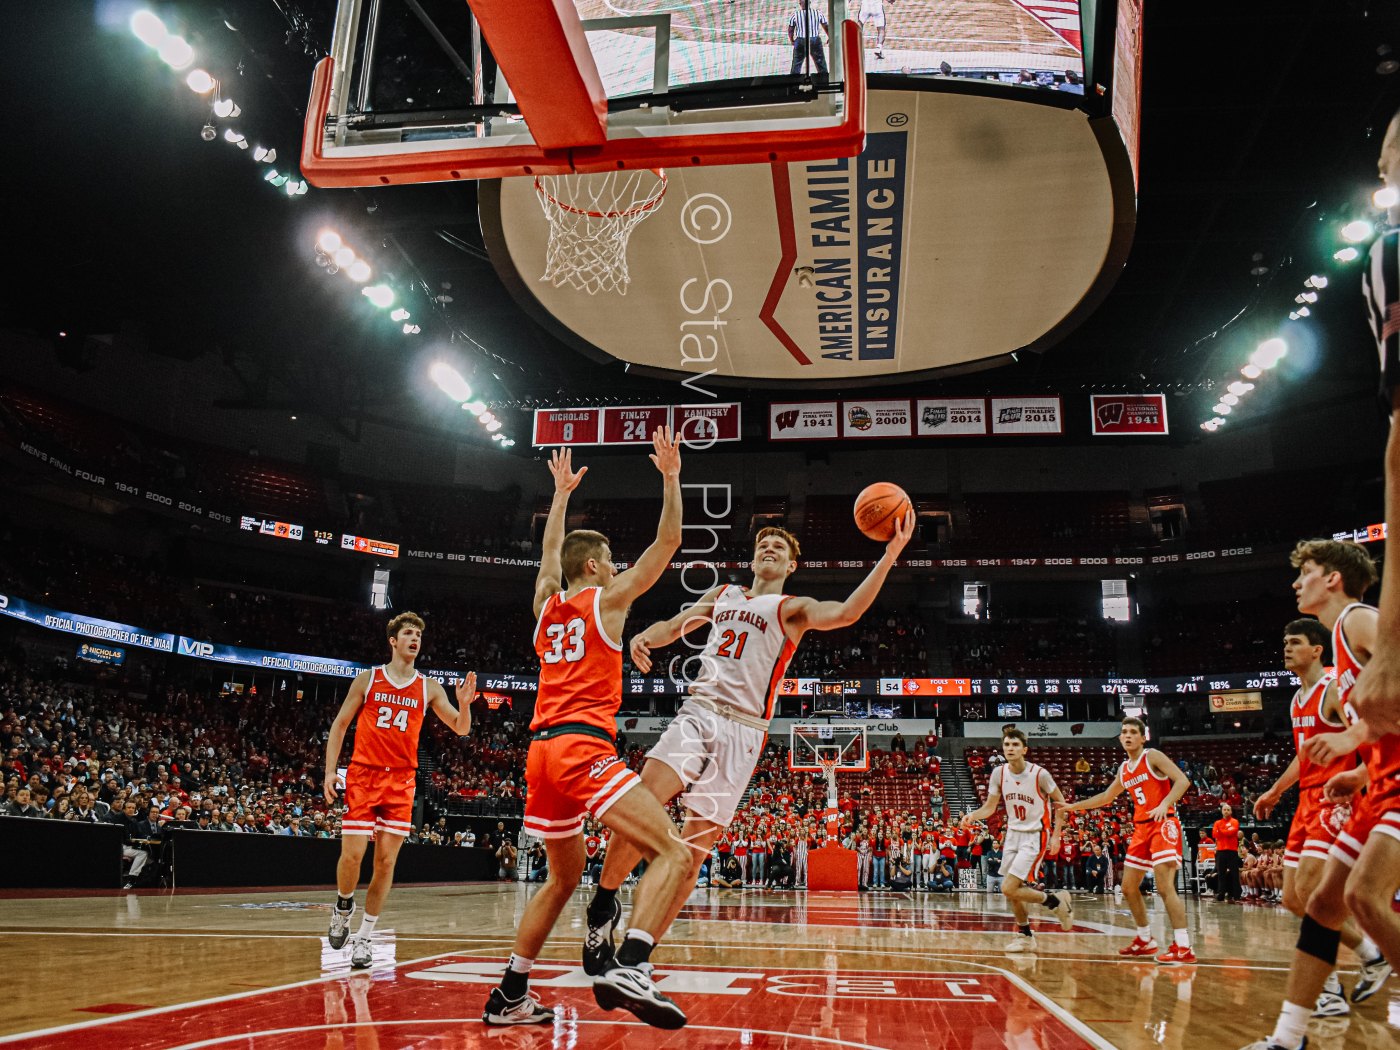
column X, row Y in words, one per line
column 697, row 425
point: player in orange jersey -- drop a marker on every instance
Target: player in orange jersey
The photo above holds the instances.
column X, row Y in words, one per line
column 1316, row 709
column 1155, row 784
column 1362, row 871
column 388, row 705
column 573, row 768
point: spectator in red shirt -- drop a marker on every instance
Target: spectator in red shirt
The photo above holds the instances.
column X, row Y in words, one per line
column 1227, row 855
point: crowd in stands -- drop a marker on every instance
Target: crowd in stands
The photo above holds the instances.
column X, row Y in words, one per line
column 1038, row 647
column 1232, row 634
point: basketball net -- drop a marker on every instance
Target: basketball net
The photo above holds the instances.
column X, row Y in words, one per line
column 833, row 814
column 591, row 218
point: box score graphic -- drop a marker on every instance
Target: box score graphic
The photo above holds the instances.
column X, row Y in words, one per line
column 697, row 425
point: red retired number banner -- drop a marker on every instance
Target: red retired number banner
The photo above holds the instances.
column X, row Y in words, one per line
column 1129, row 413
column 567, row 426
column 633, row 426
column 697, row 425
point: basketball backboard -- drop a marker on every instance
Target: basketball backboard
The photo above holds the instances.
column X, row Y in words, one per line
column 841, row 742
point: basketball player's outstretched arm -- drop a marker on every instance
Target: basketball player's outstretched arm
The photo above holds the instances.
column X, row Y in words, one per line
column 1376, row 695
column 808, row 614
column 627, row 586
column 1056, row 797
column 1165, row 767
column 664, row 632
column 354, row 700
column 551, row 575
column 459, row 717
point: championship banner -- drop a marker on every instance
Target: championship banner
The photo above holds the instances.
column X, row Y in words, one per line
column 803, row 420
column 951, row 417
column 875, row 419
column 1129, row 414
column 1027, row 415
column 633, row 425
column 698, row 425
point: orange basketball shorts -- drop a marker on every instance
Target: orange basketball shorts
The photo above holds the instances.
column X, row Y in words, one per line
column 568, row 778
column 1154, row 842
column 378, row 798
column 1315, row 826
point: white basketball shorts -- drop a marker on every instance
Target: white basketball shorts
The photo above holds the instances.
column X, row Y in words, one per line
column 713, row 757
column 872, row 13
column 1022, row 853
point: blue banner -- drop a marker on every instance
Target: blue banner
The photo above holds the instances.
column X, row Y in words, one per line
column 101, row 654
column 72, row 623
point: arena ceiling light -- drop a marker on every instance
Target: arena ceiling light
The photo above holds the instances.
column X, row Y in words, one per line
column 1269, row 353
column 149, row 29
column 381, row 295
column 411, row 329
column 1222, row 409
column 449, row 381
column 1240, row 389
column 476, row 408
column 1386, row 197
column 399, row 315
column 1303, row 311
column 1317, row 280
column 176, row 52
column 1346, row 255
column 1357, row 230
column 200, row 82
column 328, row 241
column 493, row 426
column 264, row 155
column 224, row 108
column 358, row 271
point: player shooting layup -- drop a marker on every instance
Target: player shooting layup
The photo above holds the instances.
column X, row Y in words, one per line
column 1025, row 787
column 573, row 768
column 379, row 783
column 710, row 749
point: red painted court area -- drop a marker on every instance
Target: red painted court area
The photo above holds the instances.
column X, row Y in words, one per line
column 438, row 1002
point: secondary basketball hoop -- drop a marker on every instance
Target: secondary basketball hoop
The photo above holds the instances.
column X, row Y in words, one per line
column 590, row 220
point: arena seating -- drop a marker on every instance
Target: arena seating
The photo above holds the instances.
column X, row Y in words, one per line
column 1035, row 522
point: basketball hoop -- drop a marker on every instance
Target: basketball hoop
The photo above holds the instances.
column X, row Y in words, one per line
column 829, row 765
column 590, row 220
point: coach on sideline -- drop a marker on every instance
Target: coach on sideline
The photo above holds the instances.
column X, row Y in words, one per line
column 1226, row 832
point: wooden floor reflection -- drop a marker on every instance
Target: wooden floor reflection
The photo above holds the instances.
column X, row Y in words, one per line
column 155, row 969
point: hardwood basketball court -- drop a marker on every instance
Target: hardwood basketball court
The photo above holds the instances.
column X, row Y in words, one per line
column 252, row 969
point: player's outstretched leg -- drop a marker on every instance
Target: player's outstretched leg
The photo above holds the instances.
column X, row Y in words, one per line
column 347, row 875
column 1179, row 951
column 1143, row 943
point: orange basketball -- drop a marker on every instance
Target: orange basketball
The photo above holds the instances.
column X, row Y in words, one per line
column 879, row 509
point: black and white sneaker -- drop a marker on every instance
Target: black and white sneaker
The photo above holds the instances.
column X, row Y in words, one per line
column 598, row 947
column 525, row 1010
column 1333, row 1001
column 1373, row 975
column 1064, row 911
column 631, row 988
column 340, row 927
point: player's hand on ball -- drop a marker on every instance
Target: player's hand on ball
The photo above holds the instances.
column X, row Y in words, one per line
column 667, row 456
column 561, row 465
column 903, row 532
column 466, row 690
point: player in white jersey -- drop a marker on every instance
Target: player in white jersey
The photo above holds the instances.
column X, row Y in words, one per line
column 872, row 13
column 708, row 753
column 1025, row 788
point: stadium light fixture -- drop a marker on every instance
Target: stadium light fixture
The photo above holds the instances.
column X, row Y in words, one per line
column 1222, row 409
column 1269, row 353
column 1309, row 297
column 411, row 329
column 1346, row 255
column 1303, row 311
column 264, row 155
column 224, row 108
column 1240, row 389
column 1230, row 399
column 149, row 29
column 328, row 241
column 1251, row 371
column 200, row 82
column 236, row 138
column 175, row 52
column 399, row 315
column 476, row 408
column 1357, row 230
column 358, row 271
column 1317, row 280
column 493, row 426
column 343, row 256
column 381, row 295
column 1386, row 197
column 449, row 381
column 1293, row 315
